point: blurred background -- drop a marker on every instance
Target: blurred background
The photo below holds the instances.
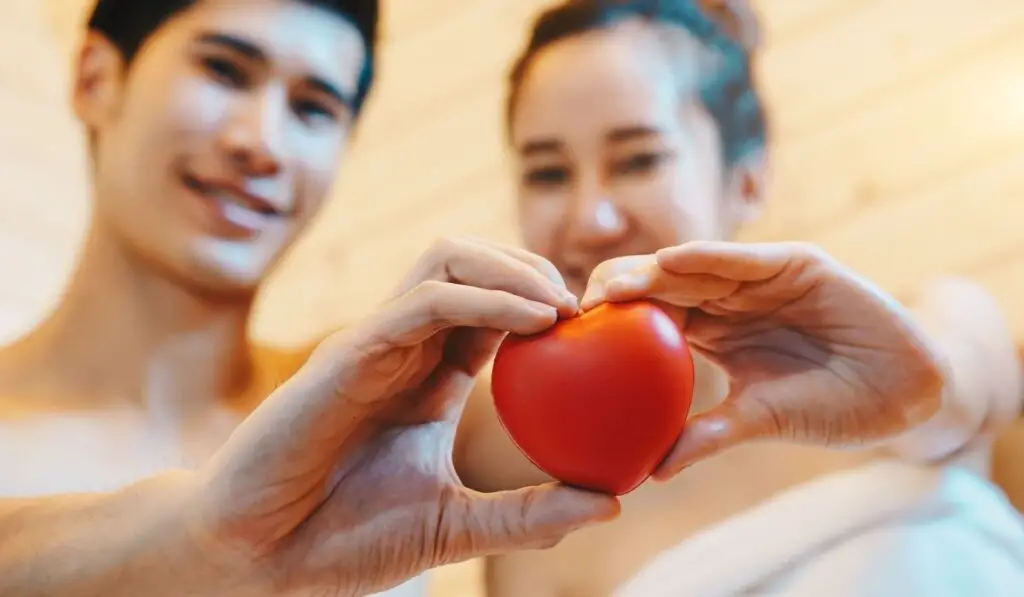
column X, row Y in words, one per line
column 899, row 147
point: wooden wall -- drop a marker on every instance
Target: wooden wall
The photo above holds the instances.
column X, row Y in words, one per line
column 899, row 129
column 899, row 142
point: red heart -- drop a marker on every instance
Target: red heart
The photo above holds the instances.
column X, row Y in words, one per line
column 597, row 401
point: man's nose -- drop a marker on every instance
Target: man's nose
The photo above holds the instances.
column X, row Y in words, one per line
column 254, row 138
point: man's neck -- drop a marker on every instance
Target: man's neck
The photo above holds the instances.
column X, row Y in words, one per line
column 124, row 332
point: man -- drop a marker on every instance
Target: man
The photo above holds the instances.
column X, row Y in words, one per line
column 214, row 134
column 216, row 129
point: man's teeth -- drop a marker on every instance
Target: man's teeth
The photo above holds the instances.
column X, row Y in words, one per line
column 238, row 211
column 231, row 199
column 243, row 216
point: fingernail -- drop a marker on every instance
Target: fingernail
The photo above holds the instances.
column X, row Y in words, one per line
column 570, row 301
column 603, row 509
column 545, row 310
column 592, row 297
column 630, row 282
column 667, row 474
column 610, row 515
column 667, row 251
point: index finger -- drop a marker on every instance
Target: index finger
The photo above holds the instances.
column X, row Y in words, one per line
column 485, row 266
column 655, row 283
column 435, row 306
column 542, row 265
column 744, row 262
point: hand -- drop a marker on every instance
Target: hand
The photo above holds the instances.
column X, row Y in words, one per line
column 342, row 483
column 814, row 353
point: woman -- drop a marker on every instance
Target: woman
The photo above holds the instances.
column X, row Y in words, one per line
column 637, row 126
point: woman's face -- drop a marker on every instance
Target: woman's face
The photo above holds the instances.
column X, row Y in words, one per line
column 613, row 159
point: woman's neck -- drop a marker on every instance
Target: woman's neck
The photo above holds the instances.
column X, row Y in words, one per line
column 125, row 333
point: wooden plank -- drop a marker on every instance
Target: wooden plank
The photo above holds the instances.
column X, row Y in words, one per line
column 950, row 228
column 784, row 18
column 403, row 19
column 1006, row 283
column 339, row 272
column 825, row 71
column 459, row 580
column 433, row 70
column 480, row 201
column 379, row 183
column 909, row 140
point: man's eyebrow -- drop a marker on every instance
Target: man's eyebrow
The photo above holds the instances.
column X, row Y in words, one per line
column 236, row 44
column 253, row 52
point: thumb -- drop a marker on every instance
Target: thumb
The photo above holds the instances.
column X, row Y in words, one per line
column 708, row 434
column 535, row 517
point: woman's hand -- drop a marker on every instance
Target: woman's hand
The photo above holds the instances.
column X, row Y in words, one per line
column 814, row 353
column 342, row 482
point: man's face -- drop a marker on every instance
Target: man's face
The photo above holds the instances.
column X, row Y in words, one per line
column 220, row 142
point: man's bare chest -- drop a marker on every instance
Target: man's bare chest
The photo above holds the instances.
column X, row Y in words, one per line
column 98, row 451
column 69, row 453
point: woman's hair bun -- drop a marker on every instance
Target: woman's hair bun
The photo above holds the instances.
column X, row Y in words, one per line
column 737, row 19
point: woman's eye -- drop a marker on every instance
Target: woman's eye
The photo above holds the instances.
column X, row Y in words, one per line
column 546, row 176
column 640, row 163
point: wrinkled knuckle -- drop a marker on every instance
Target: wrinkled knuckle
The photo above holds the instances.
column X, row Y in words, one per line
column 809, row 252
column 429, row 297
column 446, row 246
column 429, row 289
column 511, row 523
column 604, row 271
column 539, row 262
column 516, row 529
column 701, row 246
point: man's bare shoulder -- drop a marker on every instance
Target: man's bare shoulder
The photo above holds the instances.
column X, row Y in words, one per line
column 279, row 363
column 19, row 395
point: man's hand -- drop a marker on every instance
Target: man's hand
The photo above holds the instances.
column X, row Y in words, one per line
column 342, row 482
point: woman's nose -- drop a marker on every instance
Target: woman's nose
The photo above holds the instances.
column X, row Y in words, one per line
column 595, row 221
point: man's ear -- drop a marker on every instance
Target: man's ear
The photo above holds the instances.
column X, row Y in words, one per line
column 748, row 187
column 99, row 72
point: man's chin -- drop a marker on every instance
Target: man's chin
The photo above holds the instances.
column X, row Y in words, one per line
column 219, row 277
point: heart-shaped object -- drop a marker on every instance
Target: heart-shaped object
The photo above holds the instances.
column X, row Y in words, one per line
column 597, row 401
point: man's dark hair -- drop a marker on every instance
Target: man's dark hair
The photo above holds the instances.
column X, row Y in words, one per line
column 129, row 23
column 725, row 27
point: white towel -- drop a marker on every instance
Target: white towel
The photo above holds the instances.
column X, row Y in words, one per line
column 887, row 529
